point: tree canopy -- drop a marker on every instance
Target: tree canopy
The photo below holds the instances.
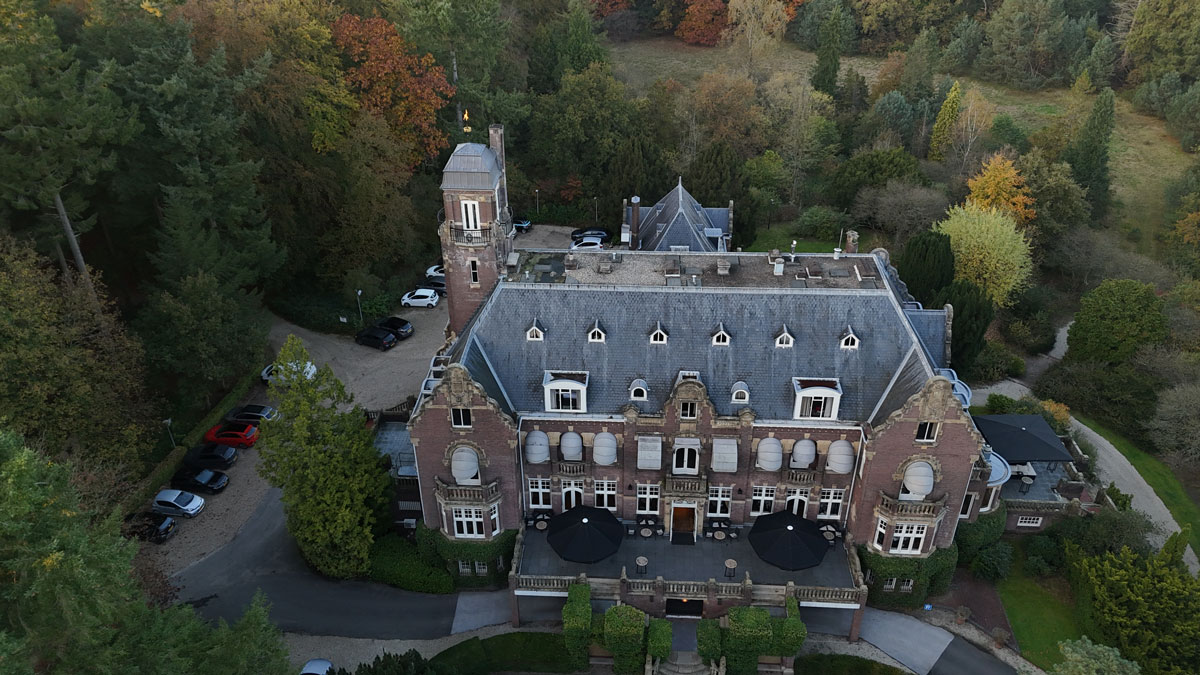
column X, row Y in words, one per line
column 989, row 251
column 1114, row 320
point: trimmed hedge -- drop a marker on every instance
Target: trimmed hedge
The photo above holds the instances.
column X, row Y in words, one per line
column 750, row 635
column 658, row 639
column 577, row 624
column 624, row 636
column 708, row 640
column 789, row 632
column 985, row 531
column 396, row 562
column 525, row 652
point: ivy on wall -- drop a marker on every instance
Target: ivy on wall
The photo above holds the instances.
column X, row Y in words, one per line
column 931, row 576
column 438, row 550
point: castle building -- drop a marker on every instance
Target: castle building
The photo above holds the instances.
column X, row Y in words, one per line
column 689, row 392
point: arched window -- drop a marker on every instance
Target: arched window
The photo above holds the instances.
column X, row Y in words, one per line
column 741, row 393
column 686, row 457
column 638, row 391
column 572, row 494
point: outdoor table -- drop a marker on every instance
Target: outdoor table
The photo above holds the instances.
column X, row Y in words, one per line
column 542, row 524
column 641, row 562
column 647, row 532
column 719, row 535
column 730, row 568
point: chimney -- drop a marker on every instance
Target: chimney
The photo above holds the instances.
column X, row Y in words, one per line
column 496, row 143
column 851, row 241
column 635, row 221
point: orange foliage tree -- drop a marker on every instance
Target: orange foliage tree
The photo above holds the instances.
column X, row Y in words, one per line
column 395, row 83
column 1188, row 228
column 602, row 8
column 1000, row 186
column 703, row 23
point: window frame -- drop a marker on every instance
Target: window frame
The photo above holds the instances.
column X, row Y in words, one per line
column 652, row 494
column 1029, row 521
column 796, row 495
column 829, row 391
column 596, row 335
column 633, row 394
column 908, row 538
column 906, row 585
column 889, row 584
column 481, row 568
column 575, row 485
column 468, row 210
column 691, row 461
column 605, row 494
column 722, row 497
column 560, row 387
column 473, row 265
column 925, row 438
column 465, row 568
column 544, row 486
column 826, row 503
column 494, row 518
column 849, row 342
column 460, row 418
column 658, row 337
column 784, row 341
column 534, row 334
column 468, row 522
column 692, row 410
column 968, row 503
column 721, row 339
column 881, row 529
column 762, row 500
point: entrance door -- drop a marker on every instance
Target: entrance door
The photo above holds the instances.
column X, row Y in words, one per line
column 683, row 607
column 683, row 522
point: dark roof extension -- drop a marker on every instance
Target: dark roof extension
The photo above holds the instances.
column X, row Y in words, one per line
column 1022, row 438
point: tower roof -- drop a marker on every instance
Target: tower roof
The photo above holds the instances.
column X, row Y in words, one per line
column 472, row 166
column 679, row 220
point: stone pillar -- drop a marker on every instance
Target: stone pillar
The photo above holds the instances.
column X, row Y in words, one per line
column 635, row 223
column 710, row 600
column 851, row 241
column 856, row 622
column 514, row 604
column 660, row 593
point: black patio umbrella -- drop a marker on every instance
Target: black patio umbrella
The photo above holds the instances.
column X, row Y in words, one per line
column 788, row 541
column 585, row 534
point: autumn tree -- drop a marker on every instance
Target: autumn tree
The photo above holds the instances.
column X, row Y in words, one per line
column 754, row 27
column 704, row 22
column 1088, row 153
column 989, row 251
column 604, row 8
column 320, row 453
column 727, row 111
column 829, row 53
column 1114, row 320
column 395, row 83
column 943, row 128
column 999, row 185
column 801, row 118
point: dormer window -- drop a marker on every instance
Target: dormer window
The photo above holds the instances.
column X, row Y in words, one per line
column 596, row 333
column 535, row 333
column 741, row 393
column 784, row 340
column 816, row 398
column 849, row 340
column 687, row 376
column 721, row 337
column 638, row 391
column 658, row 336
column 565, row 391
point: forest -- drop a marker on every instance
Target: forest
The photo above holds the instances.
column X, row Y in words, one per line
column 176, row 173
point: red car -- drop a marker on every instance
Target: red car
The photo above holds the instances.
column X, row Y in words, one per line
column 233, row 433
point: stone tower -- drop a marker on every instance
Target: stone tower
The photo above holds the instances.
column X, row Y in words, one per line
column 475, row 224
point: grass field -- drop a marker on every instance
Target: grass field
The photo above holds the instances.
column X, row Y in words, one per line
column 1040, row 611
column 521, row 652
column 1144, row 157
column 1161, row 477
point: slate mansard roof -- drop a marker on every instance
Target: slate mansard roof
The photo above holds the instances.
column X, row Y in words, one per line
column 472, row 166
column 888, row 366
column 679, row 220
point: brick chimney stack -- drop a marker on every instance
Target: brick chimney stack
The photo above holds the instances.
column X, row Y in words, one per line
column 496, row 143
column 635, row 221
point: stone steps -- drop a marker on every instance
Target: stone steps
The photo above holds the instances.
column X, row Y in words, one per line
column 683, row 663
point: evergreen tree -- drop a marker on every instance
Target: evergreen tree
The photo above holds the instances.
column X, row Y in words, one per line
column 926, row 265
column 916, row 80
column 973, row 313
column 715, row 176
column 638, row 169
column 1088, row 153
column 829, row 54
column 1102, row 61
column 965, row 41
column 409, row 663
column 897, row 114
column 853, row 95
column 943, row 128
column 580, row 46
column 1114, row 320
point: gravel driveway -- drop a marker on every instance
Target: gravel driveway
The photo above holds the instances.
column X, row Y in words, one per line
column 545, row 236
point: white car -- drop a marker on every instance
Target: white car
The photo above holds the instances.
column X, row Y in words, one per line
column 177, row 503
column 317, row 667
column 422, row 297
column 436, row 271
column 268, row 374
column 588, row 244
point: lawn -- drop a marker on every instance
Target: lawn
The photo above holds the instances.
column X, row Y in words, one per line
column 1040, row 611
column 522, row 652
column 1162, row 478
column 1144, row 157
column 780, row 236
column 842, row 664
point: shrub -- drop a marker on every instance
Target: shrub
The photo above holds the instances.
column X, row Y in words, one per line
column 1122, row 397
column 624, row 636
column 999, row 404
column 789, row 631
column 577, row 623
column 1038, row 567
column 822, row 222
column 995, row 362
column 1048, row 550
column 658, row 638
column 708, row 640
column 1108, row 531
column 525, row 652
column 1122, row 501
column 985, row 531
column 993, row 562
column 395, row 561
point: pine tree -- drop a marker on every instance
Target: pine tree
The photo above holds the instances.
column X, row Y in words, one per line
column 829, row 54
column 943, row 128
column 973, row 313
column 926, row 265
column 1088, row 153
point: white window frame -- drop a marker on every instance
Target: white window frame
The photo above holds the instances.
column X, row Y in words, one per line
column 850, row 342
column 474, row 267
column 605, row 494
column 762, row 500
column 796, row 495
column 561, row 391
column 635, row 396
column 908, row 538
column 889, row 584
column 1029, row 521
column 534, row 334
column 689, row 410
column 460, row 418
column 468, row 209
column 989, row 502
column 494, row 517
column 465, row 568
column 690, row 464
column 964, row 511
column 596, row 335
column 539, row 493
column 720, row 501
column 830, row 506
column 881, row 528
column 806, row 398
column 927, row 432
column 906, row 585
column 658, row 337
column 740, row 396
column 648, row 497
column 468, row 522
column 481, row 568
column 785, row 340
column 575, row 485
column 721, row 339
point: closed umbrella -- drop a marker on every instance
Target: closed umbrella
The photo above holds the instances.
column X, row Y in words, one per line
column 585, row 534
column 788, row 541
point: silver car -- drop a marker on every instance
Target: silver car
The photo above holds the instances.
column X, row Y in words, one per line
column 177, row 503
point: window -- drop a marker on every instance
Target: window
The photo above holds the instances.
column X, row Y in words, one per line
column 908, row 538
column 460, row 417
column 687, row 460
column 658, row 336
column 816, row 406
column 480, row 568
column 816, row 399
column 494, row 516
column 927, row 432
column 468, row 522
column 606, row 494
column 647, row 498
column 720, row 499
column 880, row 533
column 831, row 503
column 906, row 585
column 797, row 501
column 565, row 400
column 474, row 271
column 572, row 492
column 1029, row 521
column 565, row 391
column 535, row 334
column 850, row 342
column 687, row 410
column 539, row 493
column 989, row 501
column 889, row 584
column 968, row 502
column 464, row 567
column 637, row 394
column 784, row 340
column 470, row 214
column 762, row 500
column 741, row 393
column 595, row 335
column 720, row 338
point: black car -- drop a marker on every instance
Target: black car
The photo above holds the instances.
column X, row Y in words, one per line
column 374, row 336
column 211, row 456
column 522, row 226
column 434, row 284
column 401, row 328
column 601, row 234
column 252, row 414
column 152, row 527
column 199, row 480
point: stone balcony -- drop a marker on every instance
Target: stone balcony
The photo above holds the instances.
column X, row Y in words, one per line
column 469, row 495
column 923, row 510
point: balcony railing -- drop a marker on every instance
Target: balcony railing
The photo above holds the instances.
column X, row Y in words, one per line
column 477, row 237
column 572, row 468
column 801, row 476
column 923, row 509
column 691, row 485
column 1033, row 506
column 469, row 494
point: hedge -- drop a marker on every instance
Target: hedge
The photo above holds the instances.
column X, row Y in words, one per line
column 525, row 652
column 789, row 631
column 394, row 561
column 930, row 575
column 625, row 637
column 577, row 623
column 750, row 635
column 658, row 639
column 842, row 664
column 985, row 531
column 993, row 562
column 708, row 640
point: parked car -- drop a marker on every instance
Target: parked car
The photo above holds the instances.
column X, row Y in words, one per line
column 401, row 328
column 199, row 480
column 237, row 434
column 522, row 226
column 252, row 414
column 317, row 667
column 422, row 297
column 437, row 270
column 434, row 283
column 374, row 336
column 268, row 374
column 596, row 232
column 211, row 456
column 155, row 528
column 587, row 244
column 177, row 503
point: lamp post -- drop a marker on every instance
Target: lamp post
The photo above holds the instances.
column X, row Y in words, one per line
column 358, row 299
column 169, row 432
column 596, row 210
column 537, row 202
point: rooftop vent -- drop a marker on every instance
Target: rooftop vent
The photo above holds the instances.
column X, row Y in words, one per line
column 723, row 266
column 779, row 267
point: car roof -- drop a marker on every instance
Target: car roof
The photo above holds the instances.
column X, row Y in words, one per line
column 374, row 330
column 254, row 407
column 167, row 495
column 422, row 291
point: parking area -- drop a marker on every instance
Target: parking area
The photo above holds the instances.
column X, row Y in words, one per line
column 545, row 236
